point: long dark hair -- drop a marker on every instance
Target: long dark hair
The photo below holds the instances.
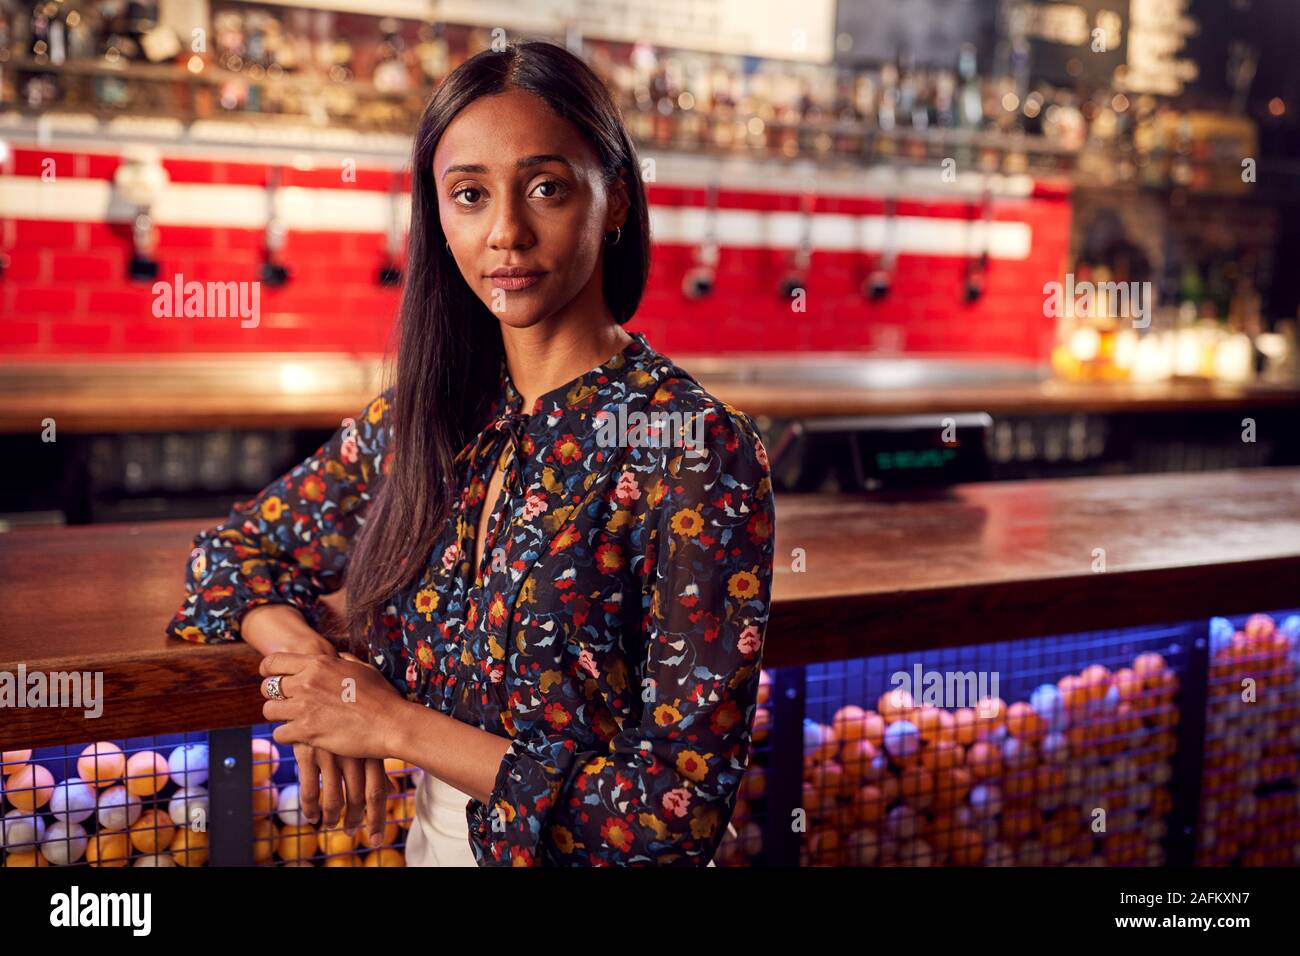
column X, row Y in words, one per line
column 449, row 342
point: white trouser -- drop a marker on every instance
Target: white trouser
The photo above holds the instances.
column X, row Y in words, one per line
column 439, row 834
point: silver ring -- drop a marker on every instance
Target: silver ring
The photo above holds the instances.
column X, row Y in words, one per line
column 273, row 689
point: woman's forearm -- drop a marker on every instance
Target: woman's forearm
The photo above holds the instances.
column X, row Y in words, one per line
column 455, row 752
column 276, row 628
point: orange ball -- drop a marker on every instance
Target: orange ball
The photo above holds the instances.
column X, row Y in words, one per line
column 387, row 857
column 190, row 847
column 146, row 773
column 951, row 787
column 869, row 804
column 942, row 755
column 152, row 832
column 1147, row 666
column 297, row 841
column 100, row 764
column 347, row 859
column 873, row 729
column 849, row 723
column 1095, row 679
column 266, row 800
column 967, row 848
column 23, row 858
column 266, row 760
column 857, row 757
column 917, row 785
column 338, row 840
column 984, row 760
column 265, row 838
column 1024, row 723
column 896, row 704
column 108, row 848
column 30, row 787
column 964, row 722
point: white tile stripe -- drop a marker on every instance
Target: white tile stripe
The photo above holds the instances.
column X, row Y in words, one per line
column 315, row 210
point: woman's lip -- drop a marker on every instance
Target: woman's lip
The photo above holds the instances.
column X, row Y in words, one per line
column 515, row 283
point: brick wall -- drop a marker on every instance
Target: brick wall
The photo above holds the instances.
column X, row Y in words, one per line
column 65, row 293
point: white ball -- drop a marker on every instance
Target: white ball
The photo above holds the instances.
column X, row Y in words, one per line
column 184, row 805
column 902, row 739
column 1048, row 704
column 155, row 859
column 189, row 765
column 1056, row 748
column 290, row 810
column 64, row 843
column 73, row 800
column 118, row 808
column 20, row 829
column 985, row 801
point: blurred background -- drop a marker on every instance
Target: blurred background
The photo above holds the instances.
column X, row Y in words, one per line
column 858, row 208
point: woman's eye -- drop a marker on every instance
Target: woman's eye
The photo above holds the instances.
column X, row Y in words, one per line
column 461, row 192
column 557, row 188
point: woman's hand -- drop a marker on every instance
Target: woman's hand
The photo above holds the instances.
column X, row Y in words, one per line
column 339, row 704
column 326, row 783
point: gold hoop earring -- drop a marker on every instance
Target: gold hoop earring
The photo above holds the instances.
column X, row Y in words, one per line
column 618, row 234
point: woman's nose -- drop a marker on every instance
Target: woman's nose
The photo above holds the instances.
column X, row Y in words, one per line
column 510, row 229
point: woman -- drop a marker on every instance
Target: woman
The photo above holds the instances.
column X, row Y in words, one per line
column 563, row 614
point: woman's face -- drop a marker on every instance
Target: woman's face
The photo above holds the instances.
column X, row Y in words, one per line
column 519, row 187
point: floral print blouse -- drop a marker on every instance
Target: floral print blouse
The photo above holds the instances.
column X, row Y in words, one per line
column 613, row 630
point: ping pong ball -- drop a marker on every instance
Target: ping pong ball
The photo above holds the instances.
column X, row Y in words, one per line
column 266, row 760
column 895, row 704
column 902, row 739
column 101, row 763
column 64, row 843
column 152, row 832
column 764, row 687
column 30, row 787
column 869, row 804
column 1048, row 704
column 337, row 840
column 346, row 859
column 289, row 810
column 386, row 857
column 1024, row 723
column 24, row 858
column 395, row 767
column 1148, row 665
column 402, row 805
column 188, row 807
column 188, row 765
column 118, row 808
column 265, row 800
column 984, row 760
column 991, row 710
column 154, row 859
column 146, row 773
column 20, row 830
column 265, row 837
column 73, row 800
column 963, row 722
column 849, row 723
column 108, row 848
column 13, row 757
column 297, row 842
column 190, row 847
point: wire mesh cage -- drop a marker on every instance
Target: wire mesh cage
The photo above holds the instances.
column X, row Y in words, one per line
column 135, row 802
column 743, row 843
column 145, row 801
column 1250, row 782
column 1054, row 751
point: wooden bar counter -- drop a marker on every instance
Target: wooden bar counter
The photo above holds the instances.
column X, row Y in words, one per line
column 883, row 573
column 318, row 391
